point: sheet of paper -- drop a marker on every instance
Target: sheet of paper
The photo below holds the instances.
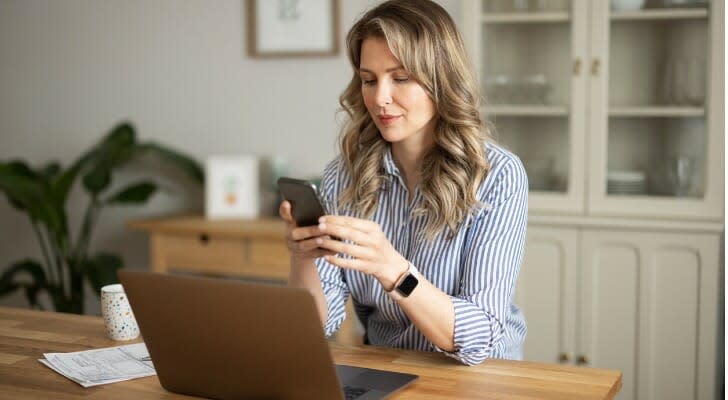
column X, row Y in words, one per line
column 101, row 366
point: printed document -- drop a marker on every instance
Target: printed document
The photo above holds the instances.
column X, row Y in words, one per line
column 100, row 366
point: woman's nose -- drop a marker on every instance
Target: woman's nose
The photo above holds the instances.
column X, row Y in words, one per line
column 383, row 95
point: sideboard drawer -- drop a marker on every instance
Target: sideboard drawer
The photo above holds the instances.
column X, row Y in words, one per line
column 195, row 252
column 252, row 257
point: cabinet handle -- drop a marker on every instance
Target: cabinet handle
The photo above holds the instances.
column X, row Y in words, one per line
column 583, row 360
column 595, row 67
column 577, row 66
column 566, row 357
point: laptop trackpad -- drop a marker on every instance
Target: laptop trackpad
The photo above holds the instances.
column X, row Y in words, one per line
column 372, row 379
column 347, row 373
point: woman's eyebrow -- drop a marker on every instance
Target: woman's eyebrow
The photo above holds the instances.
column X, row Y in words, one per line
column 387, row 70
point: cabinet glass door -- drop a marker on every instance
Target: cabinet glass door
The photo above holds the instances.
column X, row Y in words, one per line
column 532, row 76
column 653, row 67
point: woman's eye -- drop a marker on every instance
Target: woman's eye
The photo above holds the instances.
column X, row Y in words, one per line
column 402, row 79
column 367, row 82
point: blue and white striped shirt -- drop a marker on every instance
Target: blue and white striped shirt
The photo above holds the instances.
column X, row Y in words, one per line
column 478, row 267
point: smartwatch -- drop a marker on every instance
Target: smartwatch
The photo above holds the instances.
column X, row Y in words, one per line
column 408, row 282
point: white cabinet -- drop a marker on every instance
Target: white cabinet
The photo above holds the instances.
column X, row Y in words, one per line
column 643, row 302
column 648, row 307
column 547, row 294
column 617, row 116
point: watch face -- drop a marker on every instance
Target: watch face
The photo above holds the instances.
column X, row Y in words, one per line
column 408, row 285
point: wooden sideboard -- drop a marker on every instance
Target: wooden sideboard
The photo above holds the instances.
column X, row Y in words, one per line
column 243, row 248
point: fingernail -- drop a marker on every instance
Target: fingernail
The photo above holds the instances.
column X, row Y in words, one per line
column 319, row 241
column 322, row 220
column 322, row 226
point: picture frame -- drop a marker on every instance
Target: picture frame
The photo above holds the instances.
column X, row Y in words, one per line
column 293, row 28
column 232, row 187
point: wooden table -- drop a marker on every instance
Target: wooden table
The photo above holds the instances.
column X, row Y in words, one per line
column 25, row 335
column 244, row 248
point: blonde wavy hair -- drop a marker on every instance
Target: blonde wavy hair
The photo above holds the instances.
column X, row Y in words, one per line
column 423, row 37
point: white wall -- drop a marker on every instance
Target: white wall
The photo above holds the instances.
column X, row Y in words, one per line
column 179, row 70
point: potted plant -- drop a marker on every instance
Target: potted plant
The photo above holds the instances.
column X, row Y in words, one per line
column 41, row 194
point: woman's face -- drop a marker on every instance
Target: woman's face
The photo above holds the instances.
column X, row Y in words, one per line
column 399, row 106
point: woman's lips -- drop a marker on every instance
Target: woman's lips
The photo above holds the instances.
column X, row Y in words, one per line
column 389, row 119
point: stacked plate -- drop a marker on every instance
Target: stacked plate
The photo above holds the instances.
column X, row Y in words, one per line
column 626, row 182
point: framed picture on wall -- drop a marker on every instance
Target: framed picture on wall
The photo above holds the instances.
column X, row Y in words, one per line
column 293, row 28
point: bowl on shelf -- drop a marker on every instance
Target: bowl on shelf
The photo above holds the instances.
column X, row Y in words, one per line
column 499, row 89
column 535, row 89
column 626, row 5
column 507, row 89
column 629, row 182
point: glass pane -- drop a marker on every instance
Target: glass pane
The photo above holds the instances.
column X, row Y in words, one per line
column 656, row 157
column 657, row 96
column 540, row 143
column 658, row 62
column 526, row 63
column 526, row 77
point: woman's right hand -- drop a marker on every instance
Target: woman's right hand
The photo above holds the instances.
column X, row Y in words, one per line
column 302, row 240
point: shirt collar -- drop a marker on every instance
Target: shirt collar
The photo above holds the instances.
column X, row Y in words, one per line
column 389, row 166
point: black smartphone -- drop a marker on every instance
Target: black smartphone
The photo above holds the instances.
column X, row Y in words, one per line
column 306, row 206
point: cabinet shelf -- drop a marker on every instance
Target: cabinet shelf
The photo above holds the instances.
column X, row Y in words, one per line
column 525, row 18
column 671, row 13
column 526, row 110
column 657, row 111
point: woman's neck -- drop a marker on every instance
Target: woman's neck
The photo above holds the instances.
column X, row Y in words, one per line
column 408, row 158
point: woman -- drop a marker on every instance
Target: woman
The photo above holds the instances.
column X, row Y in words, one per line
column 431, row 212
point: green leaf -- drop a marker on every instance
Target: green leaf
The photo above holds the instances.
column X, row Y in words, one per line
column 183, row 162
column 137, row 193
column 101, row 270
column 114, row 150
column 97, row 180
column 29, row 191
column 51, row 170
column 26, row 274
column 63, row 182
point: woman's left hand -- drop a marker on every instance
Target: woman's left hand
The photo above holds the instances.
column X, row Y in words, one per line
column 371, row 251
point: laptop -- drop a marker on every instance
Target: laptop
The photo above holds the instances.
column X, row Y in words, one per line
column 228, row 339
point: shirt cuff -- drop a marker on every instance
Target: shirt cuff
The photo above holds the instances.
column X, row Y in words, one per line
column 336, row 310
column 475, row 333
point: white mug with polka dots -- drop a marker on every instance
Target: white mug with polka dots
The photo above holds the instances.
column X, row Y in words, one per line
column 118, row 316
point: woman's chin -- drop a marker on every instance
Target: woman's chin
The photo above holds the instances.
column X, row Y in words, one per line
column 390, row 135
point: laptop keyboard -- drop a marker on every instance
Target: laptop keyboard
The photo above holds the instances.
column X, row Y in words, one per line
column 352, row 393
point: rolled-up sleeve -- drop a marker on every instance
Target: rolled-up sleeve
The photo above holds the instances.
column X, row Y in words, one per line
column 333, row 281
column 491, row 266
column 336, row 292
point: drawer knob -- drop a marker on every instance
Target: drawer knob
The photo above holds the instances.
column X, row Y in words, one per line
column 204, row 238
